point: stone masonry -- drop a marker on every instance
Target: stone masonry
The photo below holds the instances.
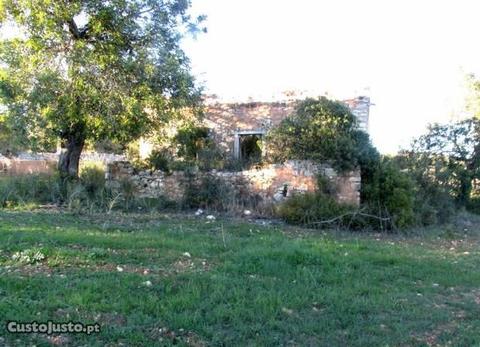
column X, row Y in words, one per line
column 272, row 183
column 227, row 120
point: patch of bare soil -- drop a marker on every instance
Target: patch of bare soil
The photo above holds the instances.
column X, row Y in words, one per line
column 27, row 270
column 444, row 302
column 181, row 336
column 185, row 265
column 431, row 338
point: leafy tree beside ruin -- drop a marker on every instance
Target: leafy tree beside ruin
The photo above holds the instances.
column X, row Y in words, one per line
column 448, row 155
column 324, row 131
column 93, row 70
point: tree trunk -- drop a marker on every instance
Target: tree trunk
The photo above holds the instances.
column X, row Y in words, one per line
column 69, row 160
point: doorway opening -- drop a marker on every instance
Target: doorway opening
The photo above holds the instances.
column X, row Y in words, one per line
column 248, row 146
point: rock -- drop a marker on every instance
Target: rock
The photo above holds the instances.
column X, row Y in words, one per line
column 211, row 217
column 247, row 212
column 199, row 212
column 186, row 254
column 119, row 269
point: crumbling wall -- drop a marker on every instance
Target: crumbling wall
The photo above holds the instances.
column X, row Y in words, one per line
column 272, row 183
column 46, row 163
column 226, row 118
column 360, row 108
column 23, row 167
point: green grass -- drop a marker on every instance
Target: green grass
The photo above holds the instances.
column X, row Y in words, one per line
column 243, row 284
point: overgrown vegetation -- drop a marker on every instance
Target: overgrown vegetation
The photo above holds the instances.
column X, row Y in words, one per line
column 424, row 185
column 324, row 131
column 315, row 210
column 94, row 70
column 89, row 194
column 167, row 280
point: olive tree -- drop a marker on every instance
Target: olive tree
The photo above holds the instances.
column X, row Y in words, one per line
column 83, row 70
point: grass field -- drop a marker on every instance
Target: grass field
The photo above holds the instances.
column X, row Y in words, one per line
column 161, row 280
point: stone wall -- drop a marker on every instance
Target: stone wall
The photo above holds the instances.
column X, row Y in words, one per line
column 35, row 163
column 224, row 119
column 360, row 108
column 24, row 167
column 272, row 183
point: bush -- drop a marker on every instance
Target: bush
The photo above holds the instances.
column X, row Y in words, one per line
column 190, row 140
column 211, row 158
column 208, row 192
column 321, row 130
column 314, row 210
column 27, row 189
column 92, row 178
column 474, row 205
column 390, row 194
column 435, row 201
column 160, row 160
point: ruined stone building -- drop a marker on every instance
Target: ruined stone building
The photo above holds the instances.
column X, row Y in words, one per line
column 236, row 124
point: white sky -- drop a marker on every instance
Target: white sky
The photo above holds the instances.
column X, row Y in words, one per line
column 409, row 56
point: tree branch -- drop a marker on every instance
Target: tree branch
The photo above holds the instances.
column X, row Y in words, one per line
column 77, row 33
column 351, row 214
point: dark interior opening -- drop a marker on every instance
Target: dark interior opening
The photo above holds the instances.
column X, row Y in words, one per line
column 250, row 148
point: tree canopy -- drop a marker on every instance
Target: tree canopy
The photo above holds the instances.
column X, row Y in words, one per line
column 448, row 154
column 322, row 130
column 93, row 69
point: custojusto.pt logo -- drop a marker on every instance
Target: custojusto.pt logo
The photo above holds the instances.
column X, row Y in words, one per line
column 49, row 327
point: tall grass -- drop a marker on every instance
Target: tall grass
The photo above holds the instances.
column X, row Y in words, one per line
column 88, row 194
column 29, row 189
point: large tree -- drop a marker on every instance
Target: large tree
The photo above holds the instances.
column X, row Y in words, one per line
column 449, row 155
column 93, row 69
column 322, row 130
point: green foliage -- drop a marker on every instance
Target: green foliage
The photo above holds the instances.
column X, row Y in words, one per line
column 10, row 144
column 324, row 131
column 87, row 195
column 390, row 194
column 208, row 192
column 316, row 210
column 307, row 289
column 434, row 202
column 191, row 140
column 474, row 205
column 443, row 163
column 132, row 153
column 94, row 70
column 23, row 190
column 160, row 160
column 92, row 177
column 449, row 156
column 213, row 158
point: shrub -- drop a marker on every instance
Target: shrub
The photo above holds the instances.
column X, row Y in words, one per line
column 435, row 201
column 160, row 160
column 92, row 177
column 474, row 205
column 321, row 130
column 211, row 158
column 314, row 210
column 390, row 194
column 25, row 189
column 190, row 140
column 208, row 192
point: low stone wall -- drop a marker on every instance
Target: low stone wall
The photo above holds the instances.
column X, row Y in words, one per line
column 34, row 163
column 15, row 167
column 272, row 183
